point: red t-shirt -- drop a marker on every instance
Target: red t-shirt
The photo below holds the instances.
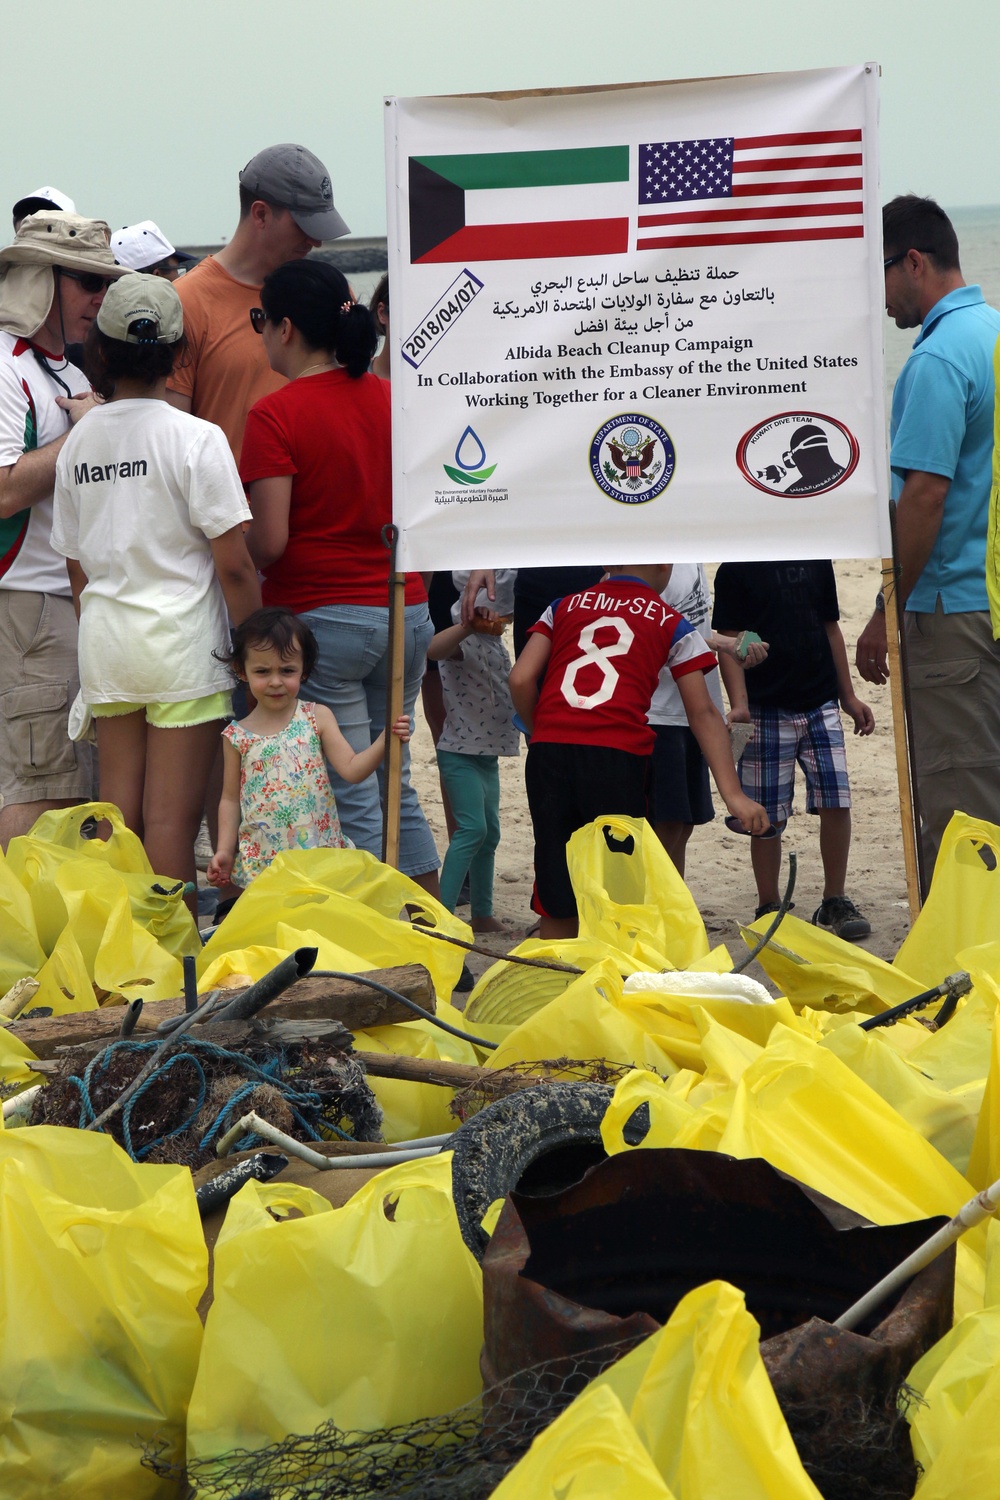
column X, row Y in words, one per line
column 609, row 644
column 332, row 435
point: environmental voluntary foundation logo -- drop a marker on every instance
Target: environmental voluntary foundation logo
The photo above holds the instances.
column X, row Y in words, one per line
column 632, row 458
column 470, row 456
column 797, row 453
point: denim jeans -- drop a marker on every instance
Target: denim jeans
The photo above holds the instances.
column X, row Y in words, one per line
column 350, row 678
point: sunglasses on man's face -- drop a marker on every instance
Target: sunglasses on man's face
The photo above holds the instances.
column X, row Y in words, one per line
column 258, row 317
column 90, row 282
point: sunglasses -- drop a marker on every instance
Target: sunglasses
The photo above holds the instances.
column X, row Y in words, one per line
column 258, row 317
column 894, row 260
column 89, row 281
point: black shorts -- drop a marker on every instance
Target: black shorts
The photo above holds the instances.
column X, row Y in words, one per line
column 568, row 786
column 679, row 789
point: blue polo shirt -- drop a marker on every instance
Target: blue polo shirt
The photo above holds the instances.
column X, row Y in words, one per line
column 942, row 423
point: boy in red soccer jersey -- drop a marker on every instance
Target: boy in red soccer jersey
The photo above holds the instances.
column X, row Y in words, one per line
column 601, row 652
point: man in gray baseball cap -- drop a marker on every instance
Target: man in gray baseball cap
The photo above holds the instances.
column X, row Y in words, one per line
column 286, row 210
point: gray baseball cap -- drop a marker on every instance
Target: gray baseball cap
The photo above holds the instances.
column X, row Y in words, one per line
column 294, row 178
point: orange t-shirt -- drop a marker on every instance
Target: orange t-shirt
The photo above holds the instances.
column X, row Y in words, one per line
column 227, row 370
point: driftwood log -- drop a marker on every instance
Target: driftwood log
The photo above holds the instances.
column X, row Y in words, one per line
column 354, row 1006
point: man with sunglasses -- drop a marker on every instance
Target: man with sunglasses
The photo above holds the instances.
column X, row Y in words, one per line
column 52, row 282
column 286, row 210
column 941, row 453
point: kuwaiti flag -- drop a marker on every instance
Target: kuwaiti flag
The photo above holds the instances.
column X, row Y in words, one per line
column 519, row 205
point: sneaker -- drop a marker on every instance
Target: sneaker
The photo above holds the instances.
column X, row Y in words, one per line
column 839, row 915
column 769, row 907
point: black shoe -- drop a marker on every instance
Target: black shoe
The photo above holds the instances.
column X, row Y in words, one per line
column 768, row 908
column 466, row 980
column 839, row 915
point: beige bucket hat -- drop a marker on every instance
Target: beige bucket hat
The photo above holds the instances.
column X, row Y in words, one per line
column 46, row 240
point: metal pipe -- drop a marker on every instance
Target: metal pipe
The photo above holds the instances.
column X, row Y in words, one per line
column 190, row 984
column 252, row 1123
column 21, row 1103
column 129, row 1019
column 969, row 1215
column 952, row 987
column 248, row 1002
column 785, row 903
column 259, row 1168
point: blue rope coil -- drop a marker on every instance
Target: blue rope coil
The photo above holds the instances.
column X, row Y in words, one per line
column 305, row 1104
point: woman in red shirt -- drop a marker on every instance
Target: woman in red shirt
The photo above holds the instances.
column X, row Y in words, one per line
column 316, row 463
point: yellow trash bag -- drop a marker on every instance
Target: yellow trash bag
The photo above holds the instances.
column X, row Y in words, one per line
column 21, row 953
column 366, row 1315
column 590, row 1452
column 946, row 1119
column 984, row 1159
column 954, row 1428
column 963, row 904
column 103, row 1265
column 102, row 955
column 816, row 968
column 676, row 1119
column 699, row 1397
column 56, row 845
column 257, row 960
column 412, row 1110
column 630, row 896
column 15, row 1064
column 592, row 1018
column 508, row 994
column 348, row 897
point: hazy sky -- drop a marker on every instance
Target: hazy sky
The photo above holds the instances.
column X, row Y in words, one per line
column 151, row 112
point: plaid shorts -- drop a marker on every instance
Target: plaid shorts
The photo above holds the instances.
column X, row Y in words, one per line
column 814, row 739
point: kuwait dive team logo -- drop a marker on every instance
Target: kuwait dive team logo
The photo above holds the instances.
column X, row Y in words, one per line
column 632, row 458
column 798, row 453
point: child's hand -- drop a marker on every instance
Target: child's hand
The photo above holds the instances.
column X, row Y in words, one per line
column 864, row 719
column 403, row 728
column 756, row 653
column 220, row 869
column 738, row 716
column 753, row 817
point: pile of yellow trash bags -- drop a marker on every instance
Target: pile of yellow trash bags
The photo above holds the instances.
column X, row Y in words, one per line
column 370, row 1315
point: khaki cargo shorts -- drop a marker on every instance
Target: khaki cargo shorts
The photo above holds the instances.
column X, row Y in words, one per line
column 38, row 681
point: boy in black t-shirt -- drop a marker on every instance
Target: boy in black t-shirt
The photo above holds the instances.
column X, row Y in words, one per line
column 793, row 701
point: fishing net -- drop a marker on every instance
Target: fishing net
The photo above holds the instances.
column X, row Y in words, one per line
column 462, row 1455
column 201, row 1089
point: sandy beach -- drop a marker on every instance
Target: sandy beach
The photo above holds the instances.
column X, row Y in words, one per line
column 718, row 872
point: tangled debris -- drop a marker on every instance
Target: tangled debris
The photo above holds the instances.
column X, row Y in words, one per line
column 462, row 1455
column 202, row 1088
column 500, row 1083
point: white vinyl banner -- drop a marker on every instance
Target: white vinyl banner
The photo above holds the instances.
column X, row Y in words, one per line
column 638, row 324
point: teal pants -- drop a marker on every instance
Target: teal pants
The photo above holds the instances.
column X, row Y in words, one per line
column 473, row 786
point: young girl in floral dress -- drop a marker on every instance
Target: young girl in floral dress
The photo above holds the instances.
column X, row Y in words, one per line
column 276, row 792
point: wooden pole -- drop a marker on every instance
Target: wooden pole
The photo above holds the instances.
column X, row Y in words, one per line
column 394, row 702
column 901, row 736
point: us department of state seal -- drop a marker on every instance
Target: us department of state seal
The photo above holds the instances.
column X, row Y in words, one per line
column 632, row 458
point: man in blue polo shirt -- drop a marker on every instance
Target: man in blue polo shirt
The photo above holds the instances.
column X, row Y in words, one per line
column 941, row 455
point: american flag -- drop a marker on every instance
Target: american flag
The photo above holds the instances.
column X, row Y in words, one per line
column 751, row 190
